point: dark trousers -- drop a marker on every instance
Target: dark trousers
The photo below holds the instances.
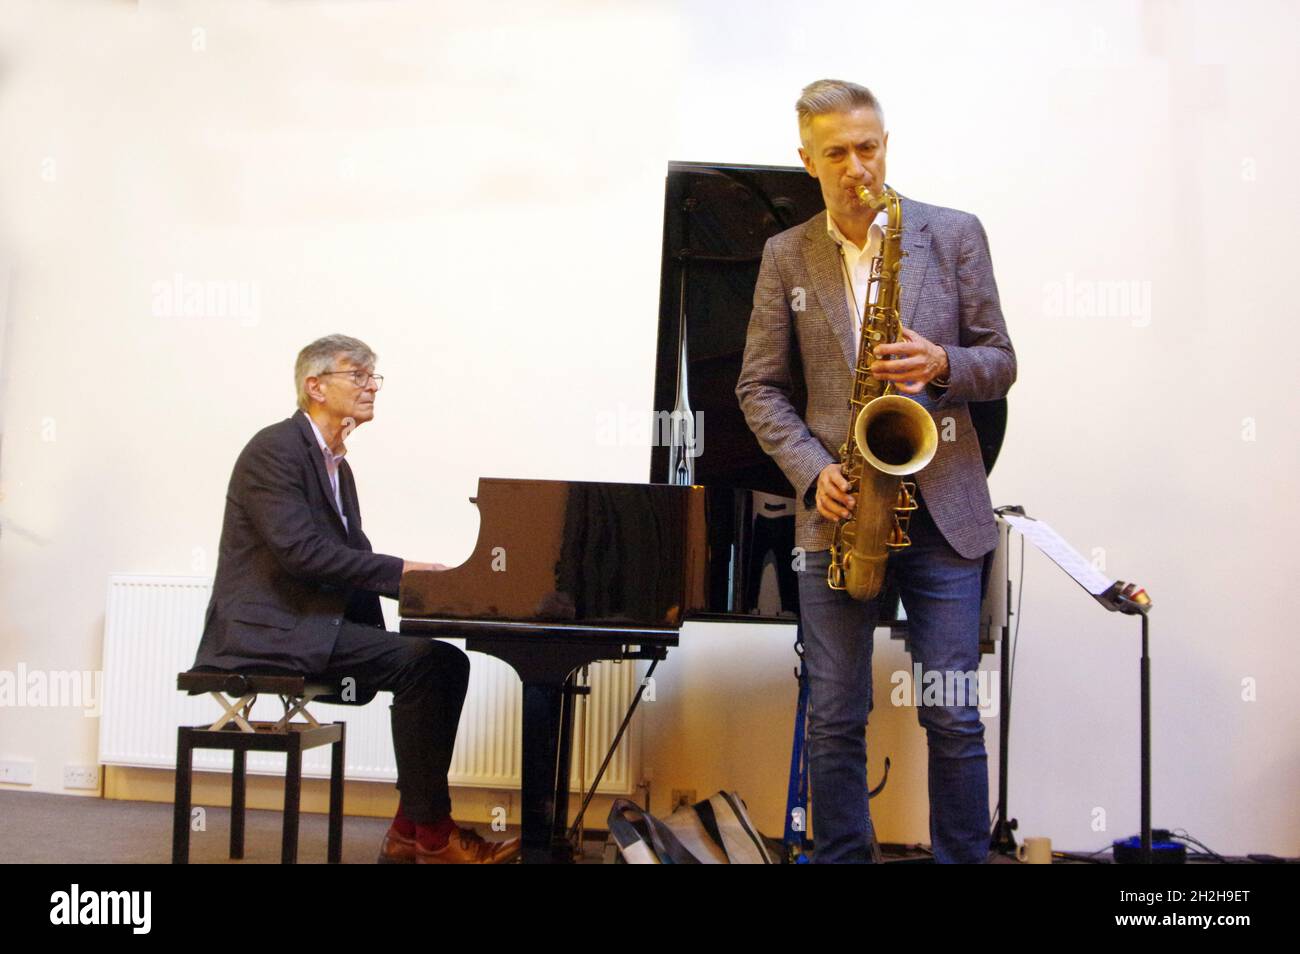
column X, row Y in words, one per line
column 774, row 535
column 428, row 680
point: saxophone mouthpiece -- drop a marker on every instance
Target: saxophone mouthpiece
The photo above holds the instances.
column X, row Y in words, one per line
column 874, row 201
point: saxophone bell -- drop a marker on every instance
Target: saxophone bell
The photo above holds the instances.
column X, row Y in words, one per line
column 896, row 435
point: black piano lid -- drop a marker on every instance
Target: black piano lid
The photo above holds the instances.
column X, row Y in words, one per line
column 716, row 219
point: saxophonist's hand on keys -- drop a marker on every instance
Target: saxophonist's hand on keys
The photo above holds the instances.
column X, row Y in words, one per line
column 910, row 364
column 833, row 499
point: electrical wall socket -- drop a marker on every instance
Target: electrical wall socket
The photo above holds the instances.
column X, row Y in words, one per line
column 81, row 776
column 683, row 798
column 16, row 772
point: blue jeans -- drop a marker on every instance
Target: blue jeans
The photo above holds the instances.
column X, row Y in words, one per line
column 940, row 591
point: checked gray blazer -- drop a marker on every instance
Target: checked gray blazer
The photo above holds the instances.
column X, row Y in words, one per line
column 948, row 296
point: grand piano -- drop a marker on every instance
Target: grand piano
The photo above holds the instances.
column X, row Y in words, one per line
column 565, row 573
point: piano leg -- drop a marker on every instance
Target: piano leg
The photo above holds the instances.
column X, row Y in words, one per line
column 543, row 722
column 546, row 666
column 561, row 847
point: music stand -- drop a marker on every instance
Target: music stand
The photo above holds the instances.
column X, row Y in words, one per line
column 1118, row 597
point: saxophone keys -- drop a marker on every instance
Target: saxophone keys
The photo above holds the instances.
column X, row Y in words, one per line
column 905, row 501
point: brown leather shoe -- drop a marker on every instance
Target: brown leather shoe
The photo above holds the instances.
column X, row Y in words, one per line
column 397, row 850
column 466, row 847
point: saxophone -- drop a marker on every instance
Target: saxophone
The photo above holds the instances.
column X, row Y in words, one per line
column 888, row 431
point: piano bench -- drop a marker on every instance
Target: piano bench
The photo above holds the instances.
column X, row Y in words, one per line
column 234, row 731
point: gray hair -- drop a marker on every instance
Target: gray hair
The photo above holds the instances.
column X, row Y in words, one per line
column 317, row 358
column 833, row 96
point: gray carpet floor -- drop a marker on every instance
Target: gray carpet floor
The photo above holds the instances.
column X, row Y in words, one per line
column 37, row 827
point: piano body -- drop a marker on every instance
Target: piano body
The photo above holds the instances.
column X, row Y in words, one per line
column 565, row 573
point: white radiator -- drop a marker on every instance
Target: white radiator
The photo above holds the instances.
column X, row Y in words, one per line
column 151, row 632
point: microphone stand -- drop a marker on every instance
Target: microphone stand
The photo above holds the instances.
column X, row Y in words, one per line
column 1004, row 839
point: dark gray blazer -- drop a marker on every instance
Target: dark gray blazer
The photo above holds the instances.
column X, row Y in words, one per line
column 948, row 296
column 288, row 572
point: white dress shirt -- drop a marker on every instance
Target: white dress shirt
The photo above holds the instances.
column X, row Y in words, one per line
column 857, row 271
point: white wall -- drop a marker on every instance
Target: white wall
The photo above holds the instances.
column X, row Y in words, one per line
column 476, row 191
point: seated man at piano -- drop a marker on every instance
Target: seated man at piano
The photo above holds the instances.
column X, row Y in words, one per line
column 297, row 590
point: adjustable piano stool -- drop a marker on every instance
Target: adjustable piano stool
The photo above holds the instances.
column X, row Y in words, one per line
column 235, row 732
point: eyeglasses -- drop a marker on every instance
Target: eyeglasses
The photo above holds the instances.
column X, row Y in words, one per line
column 359, row 378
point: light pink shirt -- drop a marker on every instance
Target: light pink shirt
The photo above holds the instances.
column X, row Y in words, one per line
column 331, row 468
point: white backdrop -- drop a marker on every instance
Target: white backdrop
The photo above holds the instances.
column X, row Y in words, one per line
column 476, row 191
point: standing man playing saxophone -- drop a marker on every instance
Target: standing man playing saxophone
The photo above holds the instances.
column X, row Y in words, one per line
column 811, row 294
